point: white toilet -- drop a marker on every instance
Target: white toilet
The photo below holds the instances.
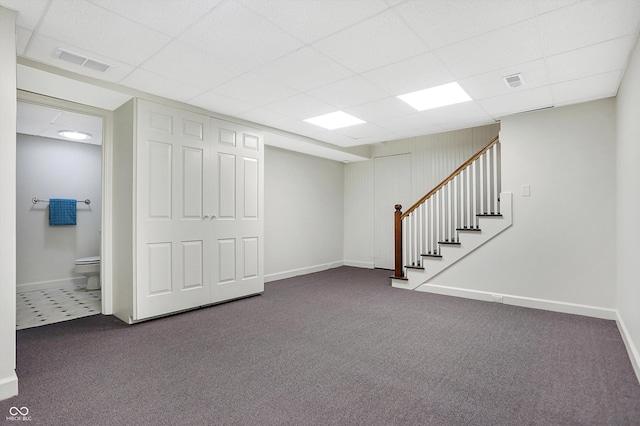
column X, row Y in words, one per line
column 89, row 267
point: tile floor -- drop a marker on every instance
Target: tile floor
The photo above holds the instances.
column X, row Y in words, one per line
column 36, row 308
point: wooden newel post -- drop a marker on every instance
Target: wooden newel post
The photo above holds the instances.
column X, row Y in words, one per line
column 398, row 240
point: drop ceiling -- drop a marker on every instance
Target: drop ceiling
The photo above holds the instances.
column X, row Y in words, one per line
column 278, row 62
column 39, row 120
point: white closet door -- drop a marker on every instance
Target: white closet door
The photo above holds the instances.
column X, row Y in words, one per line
column 238, row 223
column 392, row 185
column 172, row 245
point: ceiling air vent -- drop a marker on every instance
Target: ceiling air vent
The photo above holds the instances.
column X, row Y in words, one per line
column 74, row 58
column 513, row 81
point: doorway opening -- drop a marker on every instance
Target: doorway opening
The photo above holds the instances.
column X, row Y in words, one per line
column 56, row 260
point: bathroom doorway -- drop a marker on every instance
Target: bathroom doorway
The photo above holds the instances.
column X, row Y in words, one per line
column 52, row 163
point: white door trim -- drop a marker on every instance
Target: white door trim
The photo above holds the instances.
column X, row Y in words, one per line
column 106, row 279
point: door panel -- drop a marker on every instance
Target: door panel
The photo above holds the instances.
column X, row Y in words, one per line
column 193, row 174
column 239, row 222
column 173, row 148
column 159, row 178
column 227, row 186
column 192, row 252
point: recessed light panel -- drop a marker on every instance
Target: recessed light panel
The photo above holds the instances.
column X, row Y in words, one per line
column 334, row 120
column 434, row 97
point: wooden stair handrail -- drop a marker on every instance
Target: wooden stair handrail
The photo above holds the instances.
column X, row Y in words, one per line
column 451, row 176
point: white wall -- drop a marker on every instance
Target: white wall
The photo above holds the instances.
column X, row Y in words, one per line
column 434, row 157
column 51, row 168
column 8, row 378
column 303, row 213
column 561, row 246
column 628, row 212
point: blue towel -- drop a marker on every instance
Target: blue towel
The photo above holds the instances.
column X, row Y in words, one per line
column 62, row 212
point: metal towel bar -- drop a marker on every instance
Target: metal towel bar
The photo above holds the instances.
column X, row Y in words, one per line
column 36, row 200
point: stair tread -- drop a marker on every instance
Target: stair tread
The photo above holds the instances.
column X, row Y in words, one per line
column 454, row 243
column 489, row 215
column 469, row 229
column 399, row 278
column 431, row 255
column 414, row 267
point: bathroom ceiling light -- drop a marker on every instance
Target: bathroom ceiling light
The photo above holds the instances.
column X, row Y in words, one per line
column 75, row 135
column 334, row 120
column 435, row 97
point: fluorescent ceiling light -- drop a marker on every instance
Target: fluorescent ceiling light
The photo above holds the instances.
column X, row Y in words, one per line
column 75, row 135
column 334, row 120
column 447, row 94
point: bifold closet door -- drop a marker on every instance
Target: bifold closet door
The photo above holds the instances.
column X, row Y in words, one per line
column 238, row 225
column 172, row 218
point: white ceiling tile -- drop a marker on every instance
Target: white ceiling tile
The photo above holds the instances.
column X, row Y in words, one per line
column 596, row 59
column 254, row 89
column 301, row 107
column 182, row 62
column 419, row 131
column 364, row 130
column 43, row 49
column 419, row 72
column 34, row 119
column 86, row 26
column 495, row 50
column 457, row 125
column 588, row 22
column 221, row 104
column 236, row 34
column 166, row 16
column 300, row 127
column 380, row 109
column 518, row 102
column 470, row 111
column 586, row 89
column 402, row 123
column 30, row 11
column 348, row 92
column 334, row 138
column 544, row 6
column 367, row 45
column 161, row 86
column 265, row 116
column 443, row 22
column 304, row 69
column 312, row 20
column 491, row 84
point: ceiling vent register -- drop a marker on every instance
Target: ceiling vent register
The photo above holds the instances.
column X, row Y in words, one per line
column 74, row 58
column 513, row 81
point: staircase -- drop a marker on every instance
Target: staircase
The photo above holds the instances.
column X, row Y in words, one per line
column 459, row 215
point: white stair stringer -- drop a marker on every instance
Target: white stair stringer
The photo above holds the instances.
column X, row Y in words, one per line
column 490, row 227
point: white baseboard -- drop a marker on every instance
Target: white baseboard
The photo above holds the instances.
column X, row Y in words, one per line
column 634, row 356
column 301, row 271
column 358, row 264
column 46, row 285
column 8, row 386
column 525, row 302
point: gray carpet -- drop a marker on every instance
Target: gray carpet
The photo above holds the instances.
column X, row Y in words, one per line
column 338, row 347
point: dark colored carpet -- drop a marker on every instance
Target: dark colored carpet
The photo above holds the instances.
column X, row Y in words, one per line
column 338, row 347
